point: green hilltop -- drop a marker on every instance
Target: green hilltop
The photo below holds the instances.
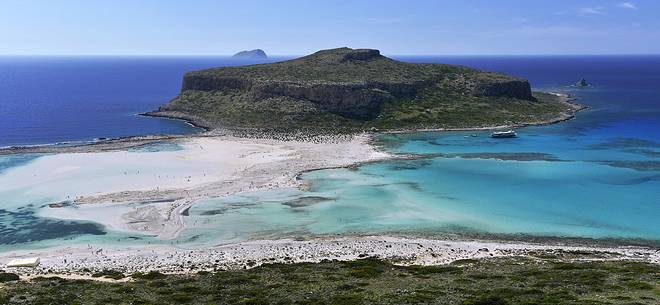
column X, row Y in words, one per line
column 358, row 89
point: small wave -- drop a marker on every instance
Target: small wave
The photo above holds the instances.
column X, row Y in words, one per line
column 56, row 144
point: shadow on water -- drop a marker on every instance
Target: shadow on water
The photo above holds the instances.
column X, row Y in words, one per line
column 634, row 181
column 521, row 156
column 409, row 164
column 306, row 201
column 644, row 152
column 636, row 165
column 23, row 226
column 623, row 143
column 227, row 208
column 411, row 185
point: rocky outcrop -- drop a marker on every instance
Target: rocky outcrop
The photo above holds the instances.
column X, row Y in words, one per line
column 582, row 83
column 361, row 54
column 352, row 100
column 357, row 101
column 519, row 89
column 211, row 83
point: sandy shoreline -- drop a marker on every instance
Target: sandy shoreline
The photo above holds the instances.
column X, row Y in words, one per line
column 572, row 108
column 171, row 181
column 82, row 261
column 229, row 165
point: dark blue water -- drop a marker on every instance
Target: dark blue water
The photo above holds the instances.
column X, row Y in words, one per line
column 624, row 96
column 61, row 99
column 58, row 99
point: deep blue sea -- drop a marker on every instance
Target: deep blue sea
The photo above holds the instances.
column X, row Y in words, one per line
column 45, row 100
column 596, row 176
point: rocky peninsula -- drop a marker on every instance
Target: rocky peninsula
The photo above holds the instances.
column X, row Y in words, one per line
column 347, row 89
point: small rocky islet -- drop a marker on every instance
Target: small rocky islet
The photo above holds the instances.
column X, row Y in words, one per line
column 251, row 54
column 582, row 83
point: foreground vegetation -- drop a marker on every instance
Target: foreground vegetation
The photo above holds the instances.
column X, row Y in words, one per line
column 542, row 280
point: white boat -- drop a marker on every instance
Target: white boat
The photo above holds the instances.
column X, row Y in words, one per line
column 504, row 134
column 24, row 262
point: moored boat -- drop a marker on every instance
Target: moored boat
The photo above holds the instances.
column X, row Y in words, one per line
column 504, row 134
column 24, row 262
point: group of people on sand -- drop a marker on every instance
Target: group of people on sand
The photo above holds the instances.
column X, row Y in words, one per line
column 299, row 135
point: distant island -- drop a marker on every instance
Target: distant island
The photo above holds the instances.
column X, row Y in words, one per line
column 252, row 54
column 359, row 89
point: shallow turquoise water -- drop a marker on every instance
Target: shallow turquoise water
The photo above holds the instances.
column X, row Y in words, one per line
column 9, row 161
column 576, row 199
column 551, row 181
column 596, row 176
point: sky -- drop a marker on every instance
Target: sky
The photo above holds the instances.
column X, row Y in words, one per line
column 289, row 27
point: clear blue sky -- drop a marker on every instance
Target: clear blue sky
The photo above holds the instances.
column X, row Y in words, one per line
column 200, row 27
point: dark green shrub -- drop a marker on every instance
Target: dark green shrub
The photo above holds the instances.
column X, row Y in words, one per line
column 153, row 275
column 487, row 300
column 111, row 274
column 8, row 277
column 639, row 285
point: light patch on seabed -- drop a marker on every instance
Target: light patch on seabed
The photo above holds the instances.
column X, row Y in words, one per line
column 109, row 214
column 480, row 195
column 205, row 167
column 66, row 176
column 363, row 204
column 29, row 182
column 242, row 216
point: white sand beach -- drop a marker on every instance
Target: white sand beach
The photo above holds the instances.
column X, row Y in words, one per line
column 105, row 185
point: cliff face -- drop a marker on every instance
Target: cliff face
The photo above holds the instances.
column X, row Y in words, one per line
column 519, row 89
column 351, row 84
column 352, row 100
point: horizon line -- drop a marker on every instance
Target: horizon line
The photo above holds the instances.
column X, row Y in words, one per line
column 300, row 55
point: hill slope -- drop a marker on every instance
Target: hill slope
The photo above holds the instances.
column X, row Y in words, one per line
column 357, row 89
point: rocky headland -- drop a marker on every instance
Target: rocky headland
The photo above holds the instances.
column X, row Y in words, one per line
column 358, row 89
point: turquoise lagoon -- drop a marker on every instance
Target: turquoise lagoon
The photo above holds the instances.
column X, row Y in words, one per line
column 471, row 192
column 597, row 176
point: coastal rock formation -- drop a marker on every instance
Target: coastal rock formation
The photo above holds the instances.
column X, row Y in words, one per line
column 519, row 89
column 354, row 89
column 252, row 54
column 582, row 83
